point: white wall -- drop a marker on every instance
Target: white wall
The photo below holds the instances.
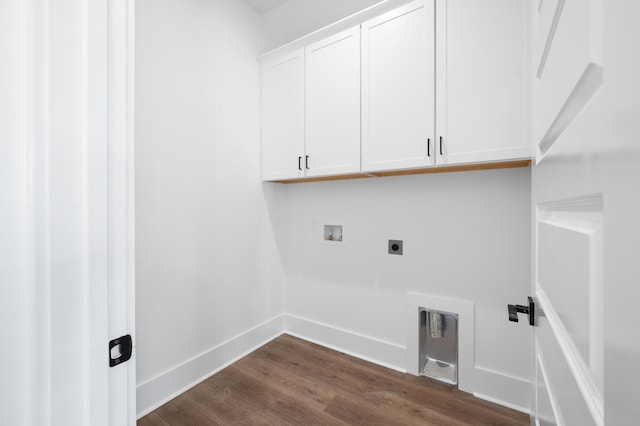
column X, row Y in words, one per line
column 208, row 266
column 466, row 236
column 296, row 18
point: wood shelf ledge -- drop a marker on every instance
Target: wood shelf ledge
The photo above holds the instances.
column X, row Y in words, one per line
column 422, row 171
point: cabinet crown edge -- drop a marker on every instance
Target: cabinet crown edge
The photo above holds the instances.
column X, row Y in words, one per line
column 333, row 28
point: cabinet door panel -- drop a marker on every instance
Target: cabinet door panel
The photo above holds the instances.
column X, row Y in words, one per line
column 332, row 99
column 398, row 88
column 283, row 117
column 481, row 74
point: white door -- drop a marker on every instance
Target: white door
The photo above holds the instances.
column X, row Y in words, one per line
column 481, row 81
column 586, row 206
column 398, row 68
column 66, row 164
column 283, row 117
column 332, row 99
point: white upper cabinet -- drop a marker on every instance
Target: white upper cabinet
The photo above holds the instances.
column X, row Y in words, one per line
column 283, row 117
column 332, row 99
column 481, row 92
column 430, row 83
column 398, row 88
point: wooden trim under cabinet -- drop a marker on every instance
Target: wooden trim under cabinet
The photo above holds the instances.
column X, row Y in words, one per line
column 421, row 171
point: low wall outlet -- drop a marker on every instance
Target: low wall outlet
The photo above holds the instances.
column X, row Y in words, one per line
column 395, row 247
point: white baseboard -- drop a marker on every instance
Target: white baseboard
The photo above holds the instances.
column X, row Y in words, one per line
column 503, row 389
column 368, row 348
column 159, row 390
column 509, row 391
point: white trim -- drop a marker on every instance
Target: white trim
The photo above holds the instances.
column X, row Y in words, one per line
column 129, row 166
column 503, row 403
column 503, row 389
column 120, row 41
column 582, row 214
column 334, row 28
column 160, row 389
column 440, row 85
column 553, row 400
column 371, row 349
column 346, row 352
column 588, row 221
column 95, row 218
column 39, row 249
column 581, row 373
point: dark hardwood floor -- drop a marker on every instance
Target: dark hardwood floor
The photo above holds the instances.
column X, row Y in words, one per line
column 293, row 382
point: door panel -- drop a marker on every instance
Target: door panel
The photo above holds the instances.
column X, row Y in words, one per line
column 332, row 98
column 568, row 64
column 283, row 117
column 481, row 89
column 398, row 88
column 567, row 393
column 568, row 290
column 570, row 273
column 546, row 403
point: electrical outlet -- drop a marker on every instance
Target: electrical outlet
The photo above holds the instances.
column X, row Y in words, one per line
column 395, row 247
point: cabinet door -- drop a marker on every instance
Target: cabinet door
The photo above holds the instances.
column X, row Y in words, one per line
column 481, row 92
column 398, row 88
column 332, row 99
column 283, row 117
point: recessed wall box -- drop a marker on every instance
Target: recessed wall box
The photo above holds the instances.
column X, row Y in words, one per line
column 333, row 234
column 439, row 345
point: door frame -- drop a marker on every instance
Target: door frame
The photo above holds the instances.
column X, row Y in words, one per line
column 120, row 160
column 80, row 247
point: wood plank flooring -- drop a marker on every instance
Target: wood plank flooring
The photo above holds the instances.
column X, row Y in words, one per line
column 290, row 381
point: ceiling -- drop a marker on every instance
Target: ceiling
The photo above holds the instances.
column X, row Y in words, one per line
column 265, row 6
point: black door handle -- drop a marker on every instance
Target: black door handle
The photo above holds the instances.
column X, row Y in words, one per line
column 299, row 163
column 529, row 310
column 306, row 162
column 125, row 346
